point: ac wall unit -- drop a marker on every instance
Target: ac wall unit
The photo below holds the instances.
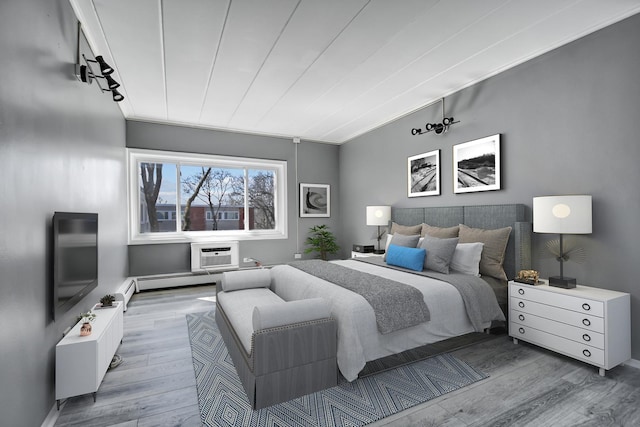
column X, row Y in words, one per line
column 214, row 256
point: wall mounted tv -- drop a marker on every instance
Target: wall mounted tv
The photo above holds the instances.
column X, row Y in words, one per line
column 75, row 258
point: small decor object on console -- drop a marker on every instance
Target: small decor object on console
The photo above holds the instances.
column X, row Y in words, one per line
column 86, row 319
column 529, row 277
column 107, row 300
column 363, row 249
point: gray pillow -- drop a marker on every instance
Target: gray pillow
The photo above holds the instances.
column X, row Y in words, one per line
column 402, row 240
column 439, row 253
column 287, row 313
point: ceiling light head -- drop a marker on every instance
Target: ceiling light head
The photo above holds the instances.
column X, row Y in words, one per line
column 111, row 83
column 117, row 96
column 105, row 68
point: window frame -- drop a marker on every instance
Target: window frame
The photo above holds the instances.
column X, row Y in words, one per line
column 135, row 156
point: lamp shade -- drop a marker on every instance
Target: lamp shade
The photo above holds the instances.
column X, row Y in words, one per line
column 378, row 215
column 562, row 214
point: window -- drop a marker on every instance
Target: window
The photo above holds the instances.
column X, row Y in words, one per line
column 185, row 197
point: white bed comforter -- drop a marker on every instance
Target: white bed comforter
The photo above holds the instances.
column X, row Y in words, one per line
column 358, row 338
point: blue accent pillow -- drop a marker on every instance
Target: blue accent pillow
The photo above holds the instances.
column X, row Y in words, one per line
column 402, row 256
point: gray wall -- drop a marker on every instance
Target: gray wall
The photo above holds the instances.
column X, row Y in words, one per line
column 61, row 148
column 317, row 163
column 570, row 124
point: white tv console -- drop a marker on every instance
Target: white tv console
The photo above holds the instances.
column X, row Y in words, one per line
column 82, row 362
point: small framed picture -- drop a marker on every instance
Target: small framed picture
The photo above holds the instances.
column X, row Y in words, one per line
column 315, row 200
column 423, row 174
column 476, row 165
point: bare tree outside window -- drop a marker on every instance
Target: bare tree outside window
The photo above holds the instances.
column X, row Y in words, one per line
column 151, row 179
column 261, row 198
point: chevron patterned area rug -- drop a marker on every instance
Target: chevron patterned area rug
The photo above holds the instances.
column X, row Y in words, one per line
column 223, row 402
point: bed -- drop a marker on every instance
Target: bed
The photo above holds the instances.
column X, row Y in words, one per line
column 359, row 338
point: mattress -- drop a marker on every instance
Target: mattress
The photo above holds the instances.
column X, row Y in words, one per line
column 358, row 338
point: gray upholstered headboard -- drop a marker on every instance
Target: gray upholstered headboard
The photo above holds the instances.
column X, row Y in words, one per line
column 518, row 253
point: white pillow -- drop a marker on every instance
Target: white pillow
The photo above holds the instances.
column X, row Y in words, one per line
column 246, row 279
column 466, row 258
column 287, row 313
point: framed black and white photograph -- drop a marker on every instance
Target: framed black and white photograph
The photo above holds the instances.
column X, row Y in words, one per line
column 476, row 165
column 424, row 174
column 315, row 200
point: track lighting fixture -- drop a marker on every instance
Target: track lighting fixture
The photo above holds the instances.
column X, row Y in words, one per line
column 438, row 128
column 86, row 74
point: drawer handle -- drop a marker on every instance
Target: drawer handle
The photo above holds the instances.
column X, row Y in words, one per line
column 586, row 307
column 586, row 352
column 521, row 291
column 586, row 337
column 586, row 322
column 521, row 304
column 521, row 330
column 521, row 317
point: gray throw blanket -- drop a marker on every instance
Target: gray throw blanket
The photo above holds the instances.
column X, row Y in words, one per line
column 479, row 298
column 396, row 305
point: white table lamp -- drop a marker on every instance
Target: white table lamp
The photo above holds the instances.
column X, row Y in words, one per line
column 562, row 215
column 379, row 216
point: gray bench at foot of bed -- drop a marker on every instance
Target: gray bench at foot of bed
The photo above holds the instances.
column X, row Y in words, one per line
column 283, row 361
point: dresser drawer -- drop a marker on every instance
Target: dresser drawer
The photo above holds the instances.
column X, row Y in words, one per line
column 565, row 346
column 570, row 302
column 564, row 330
column 573, row 318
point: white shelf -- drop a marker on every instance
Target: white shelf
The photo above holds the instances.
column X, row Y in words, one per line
column 82, row 362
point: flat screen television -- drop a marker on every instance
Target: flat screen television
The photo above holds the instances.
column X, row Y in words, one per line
column 75, row 258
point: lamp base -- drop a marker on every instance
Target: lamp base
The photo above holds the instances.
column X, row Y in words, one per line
column 562, row 282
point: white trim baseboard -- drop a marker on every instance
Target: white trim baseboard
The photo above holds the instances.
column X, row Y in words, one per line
column 53, row 415
column 633, row 363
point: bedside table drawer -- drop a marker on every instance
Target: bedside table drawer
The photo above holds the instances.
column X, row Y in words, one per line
column 564, row 330
column 573, row 318
column 568, row 302
column 567, row 347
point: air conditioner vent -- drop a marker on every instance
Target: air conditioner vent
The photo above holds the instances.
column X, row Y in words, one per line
column 214, row 256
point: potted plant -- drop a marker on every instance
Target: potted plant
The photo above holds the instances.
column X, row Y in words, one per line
column 322, row 241
column 107, row 300
column 86, row 319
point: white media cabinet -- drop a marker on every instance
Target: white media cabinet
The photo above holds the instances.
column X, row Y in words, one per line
column 588, row 324
column 82, row 362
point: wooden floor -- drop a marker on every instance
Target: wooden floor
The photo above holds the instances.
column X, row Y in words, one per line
column 528, row 386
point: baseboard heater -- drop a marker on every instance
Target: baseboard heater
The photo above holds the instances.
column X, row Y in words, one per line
column 126, row 291
column 160, row 281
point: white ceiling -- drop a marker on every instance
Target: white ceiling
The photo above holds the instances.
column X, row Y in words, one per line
column 321, row 70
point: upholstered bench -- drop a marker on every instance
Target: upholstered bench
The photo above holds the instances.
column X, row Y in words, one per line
column 281, row 350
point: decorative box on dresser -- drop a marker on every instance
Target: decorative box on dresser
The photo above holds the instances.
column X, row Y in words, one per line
column 589, row 324
column 82, row 362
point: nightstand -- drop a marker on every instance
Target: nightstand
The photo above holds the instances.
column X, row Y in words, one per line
column 364, row 254
column 589, row 324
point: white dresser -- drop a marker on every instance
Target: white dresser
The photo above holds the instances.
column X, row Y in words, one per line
column 588, row 324
column 82, row 362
